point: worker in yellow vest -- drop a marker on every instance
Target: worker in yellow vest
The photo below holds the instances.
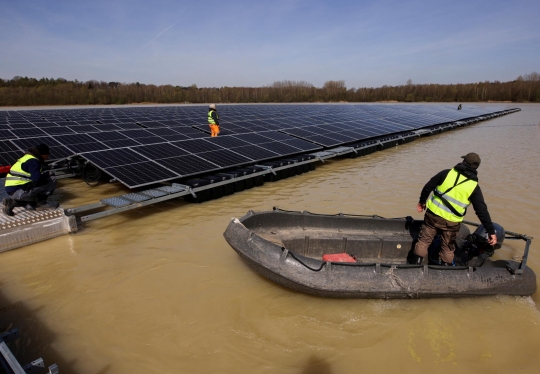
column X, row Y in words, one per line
column 453, row 191
column 213, row 120
column 27, row 184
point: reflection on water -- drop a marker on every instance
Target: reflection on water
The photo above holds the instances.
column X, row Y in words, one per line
column 158, row 290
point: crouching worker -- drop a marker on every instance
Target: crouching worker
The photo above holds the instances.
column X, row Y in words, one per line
column 27, row 184
column 453, row 191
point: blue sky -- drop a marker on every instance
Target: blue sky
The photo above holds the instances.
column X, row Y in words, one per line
column 254, row 43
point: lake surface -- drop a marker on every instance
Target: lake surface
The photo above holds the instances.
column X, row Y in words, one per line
column 158, row 290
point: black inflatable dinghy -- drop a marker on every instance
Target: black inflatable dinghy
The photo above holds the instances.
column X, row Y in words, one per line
column 288, row 248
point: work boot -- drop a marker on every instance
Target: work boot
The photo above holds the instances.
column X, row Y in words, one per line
column 30, row 206
column 9, row 204
column 414, row 259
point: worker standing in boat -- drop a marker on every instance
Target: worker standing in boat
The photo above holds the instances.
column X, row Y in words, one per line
column 213, row 120
column 27, row 184
column 453, row 191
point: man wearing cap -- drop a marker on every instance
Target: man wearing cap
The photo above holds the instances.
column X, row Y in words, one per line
column 27, row 184
column 453, row 191
column 213, row 120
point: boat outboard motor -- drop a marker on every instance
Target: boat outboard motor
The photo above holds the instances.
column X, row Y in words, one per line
column 476, row 244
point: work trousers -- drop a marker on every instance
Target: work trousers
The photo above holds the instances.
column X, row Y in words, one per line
column 38, row 192
column 214, row 130
column 433, row 225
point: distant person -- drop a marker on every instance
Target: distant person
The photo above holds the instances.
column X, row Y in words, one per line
column 27, row 184
column 213, row 120
column 453, row 191
column 459, row 107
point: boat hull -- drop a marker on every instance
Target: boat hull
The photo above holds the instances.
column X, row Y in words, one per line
column 291, row 269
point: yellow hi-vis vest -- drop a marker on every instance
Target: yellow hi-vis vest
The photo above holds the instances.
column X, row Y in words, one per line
column 17, row 176
column 210, row 119
column 451, row 199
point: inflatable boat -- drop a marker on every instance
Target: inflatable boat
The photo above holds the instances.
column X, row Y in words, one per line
column 348, row 256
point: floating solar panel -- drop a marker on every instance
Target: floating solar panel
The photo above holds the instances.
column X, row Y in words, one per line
column 224, row 158
column 141, row 173
column 188, row 165
column 115, row 157
column 227, row 141
column 122, row 143
column 159, row 151
column 255, row 152
column 280, row 148
column 8, row 153
column 197, row 146
column 173, row 142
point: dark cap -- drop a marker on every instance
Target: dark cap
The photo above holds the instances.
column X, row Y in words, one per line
column 472, row 159
column 43, row 149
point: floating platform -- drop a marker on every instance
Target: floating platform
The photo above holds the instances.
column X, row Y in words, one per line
column 28, row 227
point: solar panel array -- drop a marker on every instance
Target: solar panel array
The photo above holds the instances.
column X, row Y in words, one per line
column 145, row 145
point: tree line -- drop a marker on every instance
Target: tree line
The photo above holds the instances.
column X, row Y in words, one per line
column 24, row 91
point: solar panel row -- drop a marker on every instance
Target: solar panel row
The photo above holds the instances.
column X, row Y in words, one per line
column 144, row 145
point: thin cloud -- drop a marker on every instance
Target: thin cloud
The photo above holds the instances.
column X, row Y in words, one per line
column 161, row 33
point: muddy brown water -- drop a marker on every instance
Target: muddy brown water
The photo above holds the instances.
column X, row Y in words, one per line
column 158, row 290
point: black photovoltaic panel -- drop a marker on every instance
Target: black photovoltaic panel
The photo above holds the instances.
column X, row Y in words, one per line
column 59, row 152
column 6, row 134
column 22, row 125
column 108, row 127
column 75, row 139
column 323, row 140
column 65, row 123
column 163, row 131
column 224, row 158
column 274, row 135
column 121, row 143
column 159, row 151
column 8, row 158
column 46, row 125
column 151, row 124
column 188, row 165
column 340, row 137
column 150, row 140
column 174, row 138
column 6, row 146
column 253, row 138
column 86, row 122
column 58, row 130
column 87, row 147
column 302, row 144
column 107, row 136
column 28, row 133
column 134, row 134
column 227, row 141
column 8, row 153
column 280, row 148
column 170, row 123
column 82, row 129
column 255, row 152
column 115, row 157
column 298, row 132
column 24, row 144
column 128, row 126
column 197, row 146
column 141, row 173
